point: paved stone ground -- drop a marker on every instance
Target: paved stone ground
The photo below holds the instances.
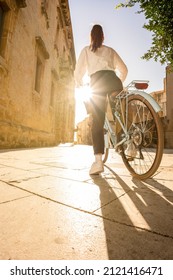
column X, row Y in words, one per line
column 50, row 208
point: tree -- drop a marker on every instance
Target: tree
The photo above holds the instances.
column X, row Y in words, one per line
column 159, row 15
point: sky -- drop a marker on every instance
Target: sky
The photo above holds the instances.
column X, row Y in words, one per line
column 123, row 31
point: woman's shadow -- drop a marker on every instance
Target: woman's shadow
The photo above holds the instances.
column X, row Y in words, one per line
column 134, row 221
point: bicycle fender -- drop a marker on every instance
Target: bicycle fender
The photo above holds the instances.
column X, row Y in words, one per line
column 150, row 99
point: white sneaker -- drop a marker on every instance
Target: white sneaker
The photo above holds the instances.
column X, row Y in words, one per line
column 131, row 150
column 96, row 168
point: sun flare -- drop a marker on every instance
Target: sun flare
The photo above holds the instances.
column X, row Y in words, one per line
column 81, row 94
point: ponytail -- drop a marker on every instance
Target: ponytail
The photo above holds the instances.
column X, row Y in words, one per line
column 97, row 37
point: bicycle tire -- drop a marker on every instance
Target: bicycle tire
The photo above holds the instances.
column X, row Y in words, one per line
column 149, row 141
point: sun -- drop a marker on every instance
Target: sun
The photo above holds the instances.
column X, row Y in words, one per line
column 81, row 94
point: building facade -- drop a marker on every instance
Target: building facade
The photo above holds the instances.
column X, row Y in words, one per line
column 84, row 131
column 160, row 97
column 37, row 59
column 169, row 109
column 165, row 100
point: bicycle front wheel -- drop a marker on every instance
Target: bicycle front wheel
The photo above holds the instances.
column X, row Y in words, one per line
column 142, row 152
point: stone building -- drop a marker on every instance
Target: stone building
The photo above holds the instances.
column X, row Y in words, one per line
column 165, row 100
column 160, row 97
column 169, row 109
column 37, row 59
column 84, row 132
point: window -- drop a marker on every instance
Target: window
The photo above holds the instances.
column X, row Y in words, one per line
column 60, row 17
column 3, row 12
column 39, row 70
column 44, row 9
column 41, row 56
column 1, row 21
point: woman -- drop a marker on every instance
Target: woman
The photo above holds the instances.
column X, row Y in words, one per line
column 101, row 63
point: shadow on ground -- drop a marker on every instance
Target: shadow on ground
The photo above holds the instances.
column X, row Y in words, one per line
column 136, row 221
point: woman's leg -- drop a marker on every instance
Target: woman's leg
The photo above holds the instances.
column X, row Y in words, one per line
column 98, row 117
column 102, row 83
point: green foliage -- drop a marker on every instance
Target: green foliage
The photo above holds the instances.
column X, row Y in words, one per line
column 159, row 15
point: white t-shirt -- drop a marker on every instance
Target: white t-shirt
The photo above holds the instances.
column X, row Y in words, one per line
column 105, row 58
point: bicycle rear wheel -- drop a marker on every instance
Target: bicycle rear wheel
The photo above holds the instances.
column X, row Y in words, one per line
column 142, row 153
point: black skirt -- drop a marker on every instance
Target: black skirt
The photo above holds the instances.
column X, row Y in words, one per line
column 105, row 82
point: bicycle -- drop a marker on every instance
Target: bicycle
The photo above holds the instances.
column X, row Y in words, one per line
column 135, row 130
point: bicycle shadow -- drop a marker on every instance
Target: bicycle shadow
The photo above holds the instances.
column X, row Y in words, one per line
column 162, row 188
column 137, row 219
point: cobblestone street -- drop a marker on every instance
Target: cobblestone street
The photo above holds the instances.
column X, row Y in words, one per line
column 50, row 208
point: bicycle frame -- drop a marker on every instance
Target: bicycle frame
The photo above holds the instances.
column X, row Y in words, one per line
column 124, row 94
column 136, row 130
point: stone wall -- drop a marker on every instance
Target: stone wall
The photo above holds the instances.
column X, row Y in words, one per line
column 169, row 109
column 84, row 131
column 36, row 73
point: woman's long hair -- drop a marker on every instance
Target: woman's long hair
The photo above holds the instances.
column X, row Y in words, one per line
column 97, row 37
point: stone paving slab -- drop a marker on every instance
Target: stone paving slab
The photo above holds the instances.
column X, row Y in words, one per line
column 82, row 195
column 11, row 174
column 71, row 174
column 42, row 229
column 9, row 193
